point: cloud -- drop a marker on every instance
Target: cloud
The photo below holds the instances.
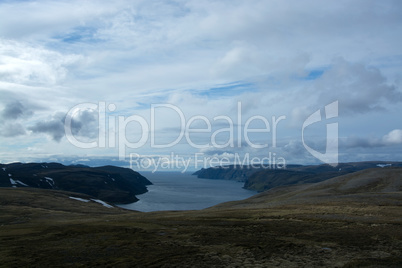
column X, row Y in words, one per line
column 295, row 148
column 359, row 89
column 12, row 130
column 84, row 124
column 43, row 18
column 54, row 127
column 32, row 65
column 12, row 115
column 204, row 57
column 211, row 151
column 393, row 137
column 12, row 110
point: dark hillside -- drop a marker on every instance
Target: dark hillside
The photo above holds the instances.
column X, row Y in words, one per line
column 260, row 179
column 108, row 183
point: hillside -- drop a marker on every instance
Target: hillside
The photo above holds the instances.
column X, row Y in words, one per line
column 261, row 179
column 232, row 172
column 108, row 183
column 353, row 220
column 376, row 186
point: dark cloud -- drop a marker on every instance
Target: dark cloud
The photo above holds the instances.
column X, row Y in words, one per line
column 53, row 127
column 12, row 130
column 14, row 110
column 84, row 124
column 359, row 88
column 10, row 116
column 360, row 142
column 392, row 138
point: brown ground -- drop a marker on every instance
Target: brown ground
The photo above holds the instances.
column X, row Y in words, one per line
column 330, row 225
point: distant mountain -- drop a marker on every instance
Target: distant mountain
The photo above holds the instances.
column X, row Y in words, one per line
column 232, row 172
column 108, row 183
column 260, row 179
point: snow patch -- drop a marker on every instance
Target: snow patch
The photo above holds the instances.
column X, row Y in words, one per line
column 102, row 203
column 384, row 165
column 13, row 182
column 20, row 182
column 79, row 199
column 4, row 169
column 9, row 175
column 50, row 181
column 95, row 200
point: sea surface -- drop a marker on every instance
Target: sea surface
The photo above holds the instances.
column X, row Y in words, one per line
column 183, row 191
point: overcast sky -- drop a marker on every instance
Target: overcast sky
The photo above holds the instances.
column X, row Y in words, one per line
column 202, row 62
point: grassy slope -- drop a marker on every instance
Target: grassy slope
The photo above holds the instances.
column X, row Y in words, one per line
column 372, row 186
column 261, row 179
column 348, row 221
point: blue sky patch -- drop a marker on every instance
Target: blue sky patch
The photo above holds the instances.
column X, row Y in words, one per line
column 314, row 74
column 79, row 34
column 228, row 90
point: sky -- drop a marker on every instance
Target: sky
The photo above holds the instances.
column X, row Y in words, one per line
column 189, row 84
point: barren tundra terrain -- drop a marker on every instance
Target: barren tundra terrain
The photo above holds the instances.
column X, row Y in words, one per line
column 353, row 220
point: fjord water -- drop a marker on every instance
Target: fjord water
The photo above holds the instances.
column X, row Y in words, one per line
column 183, row 191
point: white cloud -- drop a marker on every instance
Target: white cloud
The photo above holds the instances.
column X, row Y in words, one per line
column 43, row 19
column 27, row 65
column 393, row 137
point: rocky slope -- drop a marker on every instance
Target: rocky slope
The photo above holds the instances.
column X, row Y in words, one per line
column 108, row 183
